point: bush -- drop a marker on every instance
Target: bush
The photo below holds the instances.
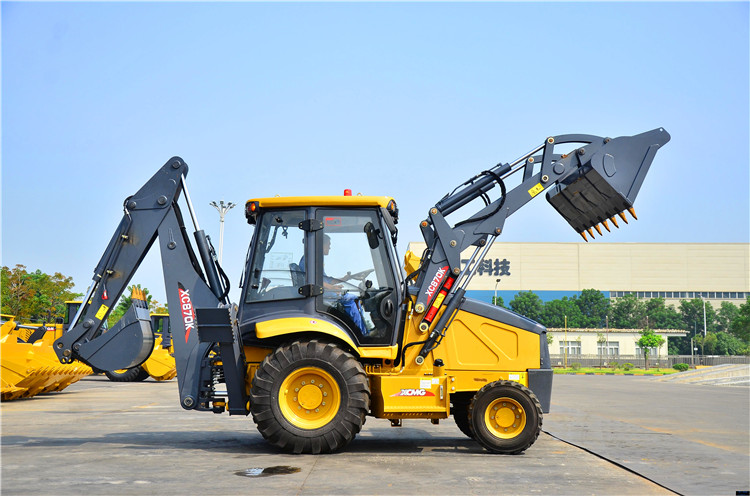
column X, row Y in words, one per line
column 682, row 367
column 614, row 365
column 628, row 366
column 575, row 366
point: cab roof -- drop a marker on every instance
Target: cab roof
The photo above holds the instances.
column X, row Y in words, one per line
column 322, row 201
column 255, row 205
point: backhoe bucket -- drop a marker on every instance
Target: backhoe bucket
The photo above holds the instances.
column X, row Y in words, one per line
column 127, row 344
column 606, row 182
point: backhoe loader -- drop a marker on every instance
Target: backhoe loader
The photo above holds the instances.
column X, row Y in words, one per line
column 329, row 329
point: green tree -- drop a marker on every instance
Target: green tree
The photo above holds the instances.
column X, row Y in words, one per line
column 594, row 307
column 528, row 304
column 16, row 291
column 729, row 344
column 725, row 316
column 707, row 343
column 649, row 339
column 627, row 312
column 555, row 312
column 35, row 295
column 740, row 326
column 498, row 300
column 691, row 312
column 661, row 316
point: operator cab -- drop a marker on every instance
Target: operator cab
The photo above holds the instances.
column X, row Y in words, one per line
column 328, row 258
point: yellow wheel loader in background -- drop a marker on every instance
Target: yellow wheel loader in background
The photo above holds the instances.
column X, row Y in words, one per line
column 329, row 329
column 30, row 366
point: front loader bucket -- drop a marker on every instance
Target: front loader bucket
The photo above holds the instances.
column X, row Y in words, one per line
column 127, row 344
column 30, row 369
column 606, row 182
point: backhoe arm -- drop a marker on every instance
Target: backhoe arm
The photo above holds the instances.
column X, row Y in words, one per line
column 150, row 213
column 588, row 186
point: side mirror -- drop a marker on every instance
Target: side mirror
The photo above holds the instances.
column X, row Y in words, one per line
column 373, row 235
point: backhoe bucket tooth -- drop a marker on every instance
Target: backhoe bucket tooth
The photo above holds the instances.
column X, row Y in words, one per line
column 127, row 344
column 606, row 181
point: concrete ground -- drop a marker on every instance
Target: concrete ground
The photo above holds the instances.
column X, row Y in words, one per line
column 693, row 439
column 102, row 438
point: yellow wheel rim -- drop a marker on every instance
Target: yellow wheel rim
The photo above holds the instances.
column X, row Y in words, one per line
column 309, row 398
column 505, row 418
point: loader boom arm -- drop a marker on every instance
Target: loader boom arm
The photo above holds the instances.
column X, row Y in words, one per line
column 151, row 213
column 587, row 186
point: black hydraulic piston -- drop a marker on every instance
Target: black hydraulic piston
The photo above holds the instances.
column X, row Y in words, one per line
column 208, row 263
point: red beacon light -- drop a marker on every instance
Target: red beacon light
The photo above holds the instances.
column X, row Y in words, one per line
column 347, row 192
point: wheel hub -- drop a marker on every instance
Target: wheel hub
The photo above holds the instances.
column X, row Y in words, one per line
column 309, row 398
column 505, row 418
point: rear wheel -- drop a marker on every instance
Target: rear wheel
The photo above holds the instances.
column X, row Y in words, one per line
column 135, row 374
column 506, row 417
column 310, row 397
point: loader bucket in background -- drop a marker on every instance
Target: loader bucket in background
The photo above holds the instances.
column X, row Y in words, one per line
column 30, row 369
column 606, row 182
column 160, row 365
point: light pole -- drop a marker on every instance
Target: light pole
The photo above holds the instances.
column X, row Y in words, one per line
column 704, row 317
column 223, row 209
column 494, row 301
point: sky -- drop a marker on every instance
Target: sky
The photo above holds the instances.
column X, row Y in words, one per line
column 400, row 99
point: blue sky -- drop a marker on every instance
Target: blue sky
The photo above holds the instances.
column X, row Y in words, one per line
column 399, row 99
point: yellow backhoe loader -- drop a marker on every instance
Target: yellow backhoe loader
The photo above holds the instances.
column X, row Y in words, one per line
column 329, row 329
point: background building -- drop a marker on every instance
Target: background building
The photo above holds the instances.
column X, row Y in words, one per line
column 674, row 271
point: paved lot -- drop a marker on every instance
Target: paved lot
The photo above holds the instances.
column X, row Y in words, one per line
column 692, row 439
column 98, row 437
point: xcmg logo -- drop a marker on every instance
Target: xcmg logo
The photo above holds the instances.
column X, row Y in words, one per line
column 413, row 392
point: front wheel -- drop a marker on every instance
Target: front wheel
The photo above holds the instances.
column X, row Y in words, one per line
column 310, row 397
column 506, row 417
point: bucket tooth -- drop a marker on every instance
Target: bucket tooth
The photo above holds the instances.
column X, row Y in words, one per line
column 591, row 233
column 622, row 216
column 614, row 221
column 606, row 225
column 632, row 212
column 583, row 235
column 598, row 229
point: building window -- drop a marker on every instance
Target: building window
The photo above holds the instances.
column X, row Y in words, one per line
column 610, row 349
column 652, row 352
column 571, row 347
